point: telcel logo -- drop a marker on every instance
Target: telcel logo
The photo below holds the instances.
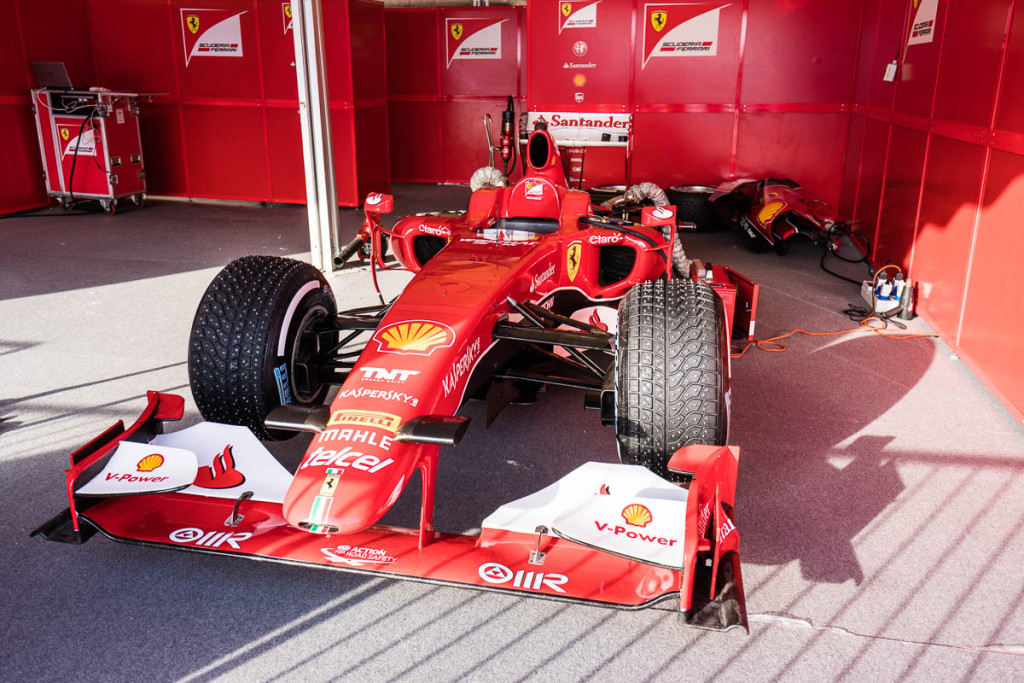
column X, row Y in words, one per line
column 493, row 572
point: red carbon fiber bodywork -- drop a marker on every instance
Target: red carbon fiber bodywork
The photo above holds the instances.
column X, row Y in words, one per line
column 441, row 327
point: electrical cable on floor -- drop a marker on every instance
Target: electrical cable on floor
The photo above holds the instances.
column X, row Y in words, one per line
column 870, row 321
column 836, row 234
column 774, row 345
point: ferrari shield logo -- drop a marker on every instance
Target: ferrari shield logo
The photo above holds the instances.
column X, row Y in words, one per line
column 566, row 9
column 572, row 259
column 456, row 31
column 192, row 21
column 64, row 134
column 288, row 11
column 658, row 20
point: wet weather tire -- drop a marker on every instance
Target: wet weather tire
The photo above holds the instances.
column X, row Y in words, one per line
column 672, row 372
column 258, row 314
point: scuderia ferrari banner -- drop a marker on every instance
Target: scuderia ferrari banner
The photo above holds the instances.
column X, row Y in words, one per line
column 681, row 29
column 211, row 33
column 577, row 15
column 923, row 29
column 473, row 38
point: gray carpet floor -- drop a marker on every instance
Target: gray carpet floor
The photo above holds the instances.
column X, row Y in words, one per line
column 880, row 497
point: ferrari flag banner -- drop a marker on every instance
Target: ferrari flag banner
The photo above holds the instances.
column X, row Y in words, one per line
column 681, row 29
column 211, row 33
column 923, row 29
column 577, row 15
column 473, row 38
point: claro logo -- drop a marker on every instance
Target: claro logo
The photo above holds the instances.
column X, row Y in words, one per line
column 495, row 573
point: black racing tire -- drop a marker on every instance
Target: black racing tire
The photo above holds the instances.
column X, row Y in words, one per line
column 259, row 313
column 671, row 374
column 693, row 205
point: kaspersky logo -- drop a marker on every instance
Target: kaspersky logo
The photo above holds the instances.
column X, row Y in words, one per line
column 414, row 337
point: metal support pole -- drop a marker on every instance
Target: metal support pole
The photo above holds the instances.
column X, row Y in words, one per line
column 315, row 120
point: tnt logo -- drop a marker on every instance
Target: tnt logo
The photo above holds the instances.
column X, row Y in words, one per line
column 387, row 374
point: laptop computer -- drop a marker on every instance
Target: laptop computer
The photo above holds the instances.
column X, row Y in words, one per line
column 52, row 75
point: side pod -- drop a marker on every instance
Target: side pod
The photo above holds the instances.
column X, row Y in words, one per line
column 711, row 589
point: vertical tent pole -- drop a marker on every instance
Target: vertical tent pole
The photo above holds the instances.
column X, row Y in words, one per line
column 315, row 121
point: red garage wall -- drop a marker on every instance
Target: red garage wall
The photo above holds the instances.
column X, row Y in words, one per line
column 935, row 171
column 437, row 103
column 226, row 127
column 28, row 33
column 772, row 100
column 218, row 127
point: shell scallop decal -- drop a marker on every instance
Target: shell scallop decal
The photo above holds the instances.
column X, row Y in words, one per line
column 415, row 337
column 150, row 462
column 636, row 515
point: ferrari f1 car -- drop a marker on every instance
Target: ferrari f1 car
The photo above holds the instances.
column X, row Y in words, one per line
column 526, row 289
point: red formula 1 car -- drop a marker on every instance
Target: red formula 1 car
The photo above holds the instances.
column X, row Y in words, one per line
column 525, row 289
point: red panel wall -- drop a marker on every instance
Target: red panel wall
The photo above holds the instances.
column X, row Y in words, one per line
column 436, row 99
column 227, row 127
column 943, row 146
column 34, row 31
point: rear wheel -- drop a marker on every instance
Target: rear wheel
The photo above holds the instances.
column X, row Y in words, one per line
column 672, row 372
column 255, row 339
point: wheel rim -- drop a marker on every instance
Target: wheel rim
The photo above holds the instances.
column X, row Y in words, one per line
column 305, row 346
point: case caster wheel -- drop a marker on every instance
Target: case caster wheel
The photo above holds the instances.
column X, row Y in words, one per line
column 139, row 200
column 109, row 206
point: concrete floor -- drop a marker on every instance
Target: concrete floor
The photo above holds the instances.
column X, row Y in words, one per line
column 880, row 498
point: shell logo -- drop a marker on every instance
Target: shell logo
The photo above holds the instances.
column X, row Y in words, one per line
column 579, row 80
column 150, row 462
column 637, row 515
column 415, row 337
column 770, row 211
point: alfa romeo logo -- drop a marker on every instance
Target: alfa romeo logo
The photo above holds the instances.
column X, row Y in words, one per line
column 579, row 48
column 492, row 572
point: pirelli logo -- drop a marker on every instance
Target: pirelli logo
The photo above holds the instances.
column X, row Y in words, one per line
column 366, row 418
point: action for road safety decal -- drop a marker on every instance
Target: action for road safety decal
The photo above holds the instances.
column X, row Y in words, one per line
column 681, row 29
column 577, row 15
column 473, row 38
column 211, row 33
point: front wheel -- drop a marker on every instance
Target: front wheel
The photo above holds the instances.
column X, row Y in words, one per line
column 255, row 340
column 672, row 372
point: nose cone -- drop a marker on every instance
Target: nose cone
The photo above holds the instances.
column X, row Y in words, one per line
column 332, row 494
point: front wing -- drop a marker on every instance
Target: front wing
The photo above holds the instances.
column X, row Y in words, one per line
column 707, row 588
